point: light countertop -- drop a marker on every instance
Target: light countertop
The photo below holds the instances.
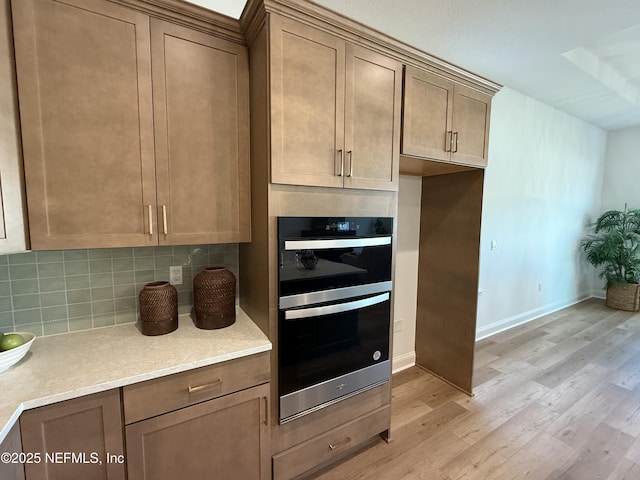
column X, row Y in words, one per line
column 71, row 365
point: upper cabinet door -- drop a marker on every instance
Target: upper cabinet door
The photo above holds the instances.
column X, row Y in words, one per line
column 372, row 120
column 12, row 208
column 471, row 112
column 84, row 83
column 201, row 108
column 428, row 103
column 307, row 105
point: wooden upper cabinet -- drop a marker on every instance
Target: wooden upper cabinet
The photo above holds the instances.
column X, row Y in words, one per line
column 12, row 208
column 471, row 112
column 307, row 104
column 335, row 110
column 426, row 122
column 443, row 120
column 84, row 84
column 201, row 108
column 102, row 121
column 372, row 126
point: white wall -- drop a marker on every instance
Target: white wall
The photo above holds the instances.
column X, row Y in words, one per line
column 622, row 170
column 406, row 279
column 542, row 186
column 620, row 179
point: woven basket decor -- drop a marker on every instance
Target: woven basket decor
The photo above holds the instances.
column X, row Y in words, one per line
column 624, row 296
column 158, row 308
column 214, row 298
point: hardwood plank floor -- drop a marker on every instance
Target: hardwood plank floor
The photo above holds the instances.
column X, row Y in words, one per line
column 556, row 398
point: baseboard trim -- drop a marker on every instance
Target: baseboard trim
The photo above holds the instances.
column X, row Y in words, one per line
column 525, row 317
column 402, row 362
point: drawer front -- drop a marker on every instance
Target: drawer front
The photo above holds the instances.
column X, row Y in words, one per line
column 333, row 444
column 155, row 397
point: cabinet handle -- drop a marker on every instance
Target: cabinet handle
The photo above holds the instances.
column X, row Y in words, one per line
column 448, row 140
column 455, row 143
column 341, row 173
column 350, row 163
column 342, row 443
column 150, row 212
column 199, row 388
column 164, row 218
column 266, row 410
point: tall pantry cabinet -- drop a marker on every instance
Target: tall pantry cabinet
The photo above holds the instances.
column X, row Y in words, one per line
column 135, row 130
column 325, row 131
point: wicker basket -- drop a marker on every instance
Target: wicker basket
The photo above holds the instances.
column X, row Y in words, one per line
column 624, row 296
column 158, row 308
column 214, row 298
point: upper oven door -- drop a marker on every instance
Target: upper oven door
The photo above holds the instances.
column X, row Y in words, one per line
column 343, row 264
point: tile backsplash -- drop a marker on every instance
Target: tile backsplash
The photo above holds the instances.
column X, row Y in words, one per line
column 61, row 291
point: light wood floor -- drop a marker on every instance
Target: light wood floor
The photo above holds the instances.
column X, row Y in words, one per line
column 558, row 398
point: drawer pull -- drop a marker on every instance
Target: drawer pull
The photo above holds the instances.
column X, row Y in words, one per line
column 206, row 386
column 333, row 447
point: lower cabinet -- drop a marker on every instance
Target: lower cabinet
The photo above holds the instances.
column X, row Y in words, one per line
column 206, row 423
column 210, row 422
column 73, row 438
column 12, row 468
column 225, row 438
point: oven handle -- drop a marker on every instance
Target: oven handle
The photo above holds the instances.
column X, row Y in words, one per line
column 336, row 243
column 338, row 308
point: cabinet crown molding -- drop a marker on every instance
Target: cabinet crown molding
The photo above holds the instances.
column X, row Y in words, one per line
column 191, row 16
column 310, row 13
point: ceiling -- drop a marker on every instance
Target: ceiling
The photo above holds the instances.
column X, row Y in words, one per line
column 580, row 56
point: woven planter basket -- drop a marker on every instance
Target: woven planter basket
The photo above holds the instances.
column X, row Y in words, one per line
column 158, row 308
column 624, row 296
column 214, row 298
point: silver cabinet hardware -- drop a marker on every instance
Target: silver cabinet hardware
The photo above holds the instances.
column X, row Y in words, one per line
column 164, row 218
column 150, row 213
column 334, row 446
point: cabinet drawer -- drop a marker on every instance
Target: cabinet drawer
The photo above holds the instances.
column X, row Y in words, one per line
column 226, row 438
column 155, row 397
column 333, row 444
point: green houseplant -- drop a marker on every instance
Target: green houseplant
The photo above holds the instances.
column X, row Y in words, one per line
column 614, row 246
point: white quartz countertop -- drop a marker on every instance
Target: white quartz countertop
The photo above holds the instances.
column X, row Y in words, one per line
column 71, row 365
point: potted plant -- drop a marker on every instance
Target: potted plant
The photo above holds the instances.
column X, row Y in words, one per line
column 614, row 245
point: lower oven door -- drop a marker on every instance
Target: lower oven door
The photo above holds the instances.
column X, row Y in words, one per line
column 330, row 352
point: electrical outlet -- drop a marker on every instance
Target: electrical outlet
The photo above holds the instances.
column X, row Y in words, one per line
column 397, row 326
column 494, row 244
column 175, row 275
column 539, row 287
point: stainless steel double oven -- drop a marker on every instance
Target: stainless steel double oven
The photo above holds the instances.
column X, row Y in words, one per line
column 334, row 309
